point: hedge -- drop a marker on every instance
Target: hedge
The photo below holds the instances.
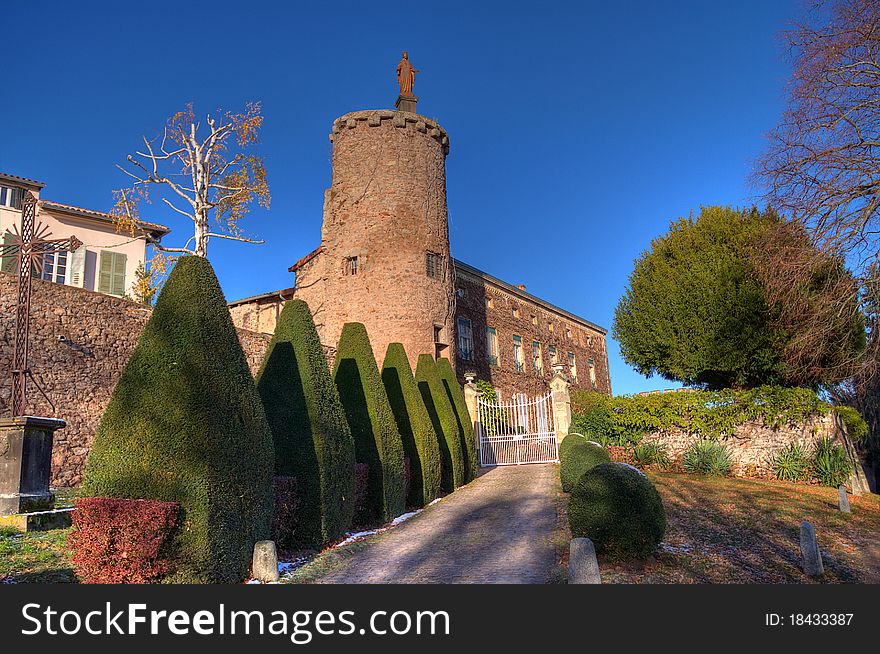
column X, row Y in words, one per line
column 377, row 441
column 420, row 444
column 619, row 509
column 712, row 414
column 856, row 427
column 578, row 458
column 288, row 506
column 313, row 442
column 185, row 424
column 462, row 417
column 445, row 425
column 119, row 541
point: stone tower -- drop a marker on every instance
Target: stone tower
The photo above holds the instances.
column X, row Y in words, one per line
column 385, row 237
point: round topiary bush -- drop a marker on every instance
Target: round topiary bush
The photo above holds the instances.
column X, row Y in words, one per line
column 618, row 508
column 570, row 440
column 578, row 458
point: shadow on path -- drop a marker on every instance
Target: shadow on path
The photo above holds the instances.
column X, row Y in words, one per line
column 497, row 529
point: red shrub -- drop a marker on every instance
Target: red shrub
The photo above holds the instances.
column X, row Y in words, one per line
column 621, row 454
column 286, row 515
column 407, row 476
column 361, row 474
column 119, row 541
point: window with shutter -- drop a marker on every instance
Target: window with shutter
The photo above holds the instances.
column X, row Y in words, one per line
column 77, row 267
column 118, row 286
column 8, row 264
column 111, row 273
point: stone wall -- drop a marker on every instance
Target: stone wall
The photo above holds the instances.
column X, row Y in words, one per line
column 511, row 313
column 753, row 444
column 386, row 207
column 80, row 341
column 259, row 313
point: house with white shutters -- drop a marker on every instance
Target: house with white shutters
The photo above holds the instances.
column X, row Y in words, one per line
column 108, row 258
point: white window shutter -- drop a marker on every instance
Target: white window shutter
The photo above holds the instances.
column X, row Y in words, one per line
column 76, row 266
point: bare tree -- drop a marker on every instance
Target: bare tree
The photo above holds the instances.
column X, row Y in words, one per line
column 814, row 301
column 823, row 163
column 822, row 169
column 211, row 176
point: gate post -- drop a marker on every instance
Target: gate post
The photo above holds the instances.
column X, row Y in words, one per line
column 471, row 393
column 561, row 399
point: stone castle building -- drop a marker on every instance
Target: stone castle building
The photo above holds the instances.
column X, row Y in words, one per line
column 384, row 260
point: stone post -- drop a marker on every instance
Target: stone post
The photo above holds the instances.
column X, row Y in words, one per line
column 583, row 568
column 26, row 502
column 812, row 556
column 471, row 393
column 559, row 394
column 264, row 566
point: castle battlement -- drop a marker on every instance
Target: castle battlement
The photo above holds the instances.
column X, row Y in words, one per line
column 399, row 119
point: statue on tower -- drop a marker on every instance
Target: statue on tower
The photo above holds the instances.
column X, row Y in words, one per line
column 406, row 76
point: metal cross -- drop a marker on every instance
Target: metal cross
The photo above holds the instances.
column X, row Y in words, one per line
column 28, row 246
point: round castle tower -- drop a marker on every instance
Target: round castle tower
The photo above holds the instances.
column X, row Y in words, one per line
column 385, row 235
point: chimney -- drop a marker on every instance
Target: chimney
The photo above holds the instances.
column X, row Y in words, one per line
column 521, row 287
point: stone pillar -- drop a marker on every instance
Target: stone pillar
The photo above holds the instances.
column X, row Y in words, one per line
column 561, row 398
column 471, row 393
column 25, row 466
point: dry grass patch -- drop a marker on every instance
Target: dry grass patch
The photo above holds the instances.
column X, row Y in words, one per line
column 725, row 530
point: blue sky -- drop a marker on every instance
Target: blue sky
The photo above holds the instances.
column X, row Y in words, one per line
column 578, row 130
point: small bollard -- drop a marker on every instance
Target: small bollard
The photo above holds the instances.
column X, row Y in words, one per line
column 842, row 499
column 264, row 566
column 583, row 568
column 810, row 551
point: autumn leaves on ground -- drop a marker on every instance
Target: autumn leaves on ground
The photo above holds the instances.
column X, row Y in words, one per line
column 725, row 530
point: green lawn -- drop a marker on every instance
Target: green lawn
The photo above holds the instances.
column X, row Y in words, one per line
column 40, row 557
column 36, row 557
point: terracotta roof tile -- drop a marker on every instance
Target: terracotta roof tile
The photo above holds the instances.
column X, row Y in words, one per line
column 23, row 180
column 311, row 255
column 106, row 217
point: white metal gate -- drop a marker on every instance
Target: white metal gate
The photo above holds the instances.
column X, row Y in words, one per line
column 517, row 431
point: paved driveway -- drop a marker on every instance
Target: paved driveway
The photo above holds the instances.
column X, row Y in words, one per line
column 497, row 529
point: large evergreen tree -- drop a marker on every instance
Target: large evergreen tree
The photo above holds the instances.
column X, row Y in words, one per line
column 445, row 425
column 313, row 442
column 185, row 424
column 420, row 442
column 377, row 441
column 462, row 417
column 696, row 310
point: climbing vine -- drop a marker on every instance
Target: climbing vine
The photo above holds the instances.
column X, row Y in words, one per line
column 713, row 414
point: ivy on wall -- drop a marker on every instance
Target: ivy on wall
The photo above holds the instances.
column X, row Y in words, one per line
column 715, row 414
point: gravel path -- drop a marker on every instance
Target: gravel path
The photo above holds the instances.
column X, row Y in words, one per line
column 497, row 529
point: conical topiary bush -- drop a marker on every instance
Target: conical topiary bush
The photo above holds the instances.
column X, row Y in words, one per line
column 462, row 416
column 185, row 424
column 420, row 443
column 445, row 425
column 377, row 441
column 313, row 443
